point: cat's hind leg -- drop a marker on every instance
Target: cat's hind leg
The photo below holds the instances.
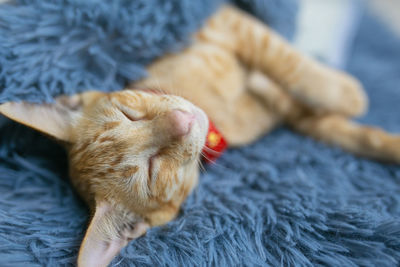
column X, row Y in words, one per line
column 359, row 139
column 314, row 84
column 330, row 128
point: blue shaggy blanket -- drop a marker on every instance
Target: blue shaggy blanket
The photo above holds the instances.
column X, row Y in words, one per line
column 53, row 47
column 285, row 200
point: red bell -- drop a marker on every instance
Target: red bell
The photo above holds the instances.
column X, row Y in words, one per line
column 215, row 144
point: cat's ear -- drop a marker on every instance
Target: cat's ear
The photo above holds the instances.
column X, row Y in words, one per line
column 54, row 119
column 109, row 231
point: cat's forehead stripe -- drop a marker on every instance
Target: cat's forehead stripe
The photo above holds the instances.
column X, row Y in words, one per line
column 111, row 125
column 80, row 148
column 107, row 139
column 129, row 171
column 117, row 160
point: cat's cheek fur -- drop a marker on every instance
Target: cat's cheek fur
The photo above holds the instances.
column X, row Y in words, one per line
column 114, row 225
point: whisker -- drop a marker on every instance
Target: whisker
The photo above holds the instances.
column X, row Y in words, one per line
column 213, row 162
column 201, row 165
column 210, row 150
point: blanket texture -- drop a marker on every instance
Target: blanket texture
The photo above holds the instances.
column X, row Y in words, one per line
column 53, row 47
column 283, row 201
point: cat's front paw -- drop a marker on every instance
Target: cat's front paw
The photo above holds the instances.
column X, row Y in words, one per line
column 328, row 90
column 352, row 100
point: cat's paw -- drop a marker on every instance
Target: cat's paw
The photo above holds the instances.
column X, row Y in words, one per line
column 324, row 89
column 394, row 149
column 380, row 144
column 352, row 100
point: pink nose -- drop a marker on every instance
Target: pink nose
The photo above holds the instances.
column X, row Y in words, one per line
column 181, row 122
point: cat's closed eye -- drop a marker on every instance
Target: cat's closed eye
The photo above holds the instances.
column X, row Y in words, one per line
column 130, row 116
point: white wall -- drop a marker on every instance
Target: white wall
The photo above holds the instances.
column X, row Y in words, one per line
column 326, row 29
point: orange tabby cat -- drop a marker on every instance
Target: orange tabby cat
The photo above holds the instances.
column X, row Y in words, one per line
column 134, row 153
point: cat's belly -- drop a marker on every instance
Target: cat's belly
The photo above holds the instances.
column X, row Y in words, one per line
column 200, row 73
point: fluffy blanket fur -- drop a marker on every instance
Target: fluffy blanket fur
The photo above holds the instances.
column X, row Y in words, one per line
column 285, row 200
column 52, row 47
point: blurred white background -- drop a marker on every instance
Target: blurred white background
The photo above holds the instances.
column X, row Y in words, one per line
column 389, row 11
column 326, row 28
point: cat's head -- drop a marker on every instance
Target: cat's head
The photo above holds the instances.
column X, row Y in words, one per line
column 133, row 157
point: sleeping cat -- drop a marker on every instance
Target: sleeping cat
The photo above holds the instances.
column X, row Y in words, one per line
column 134, row 154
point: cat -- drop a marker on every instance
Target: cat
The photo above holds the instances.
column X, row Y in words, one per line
column 134, row 154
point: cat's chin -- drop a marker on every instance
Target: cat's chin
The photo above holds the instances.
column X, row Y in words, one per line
column 201, row 119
